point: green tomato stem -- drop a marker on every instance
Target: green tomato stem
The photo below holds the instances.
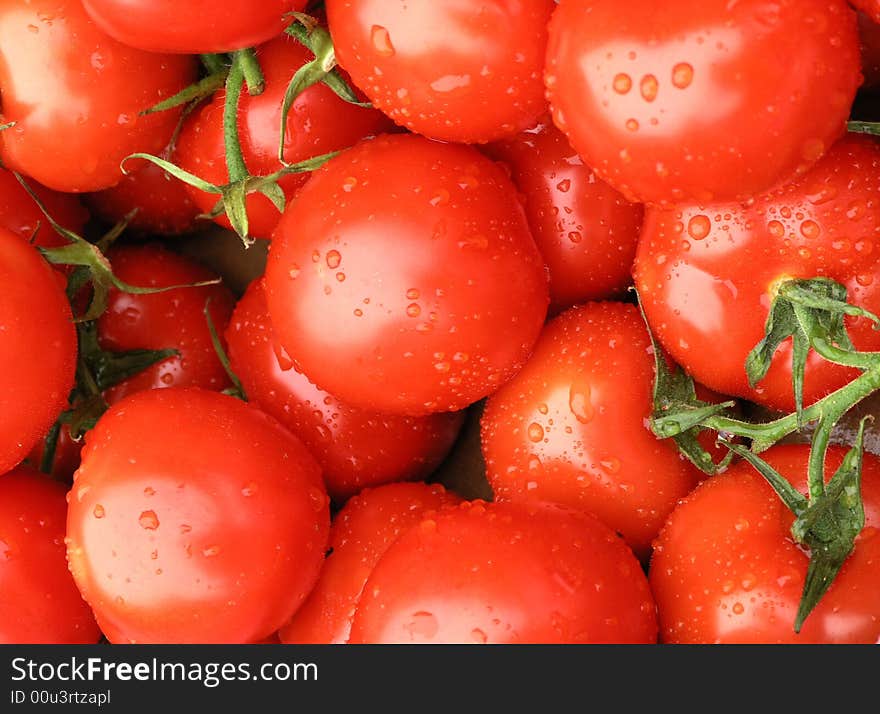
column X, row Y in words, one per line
column 235, row 164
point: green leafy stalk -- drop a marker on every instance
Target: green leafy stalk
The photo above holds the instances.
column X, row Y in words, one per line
column 864, row 127
column 237, row 390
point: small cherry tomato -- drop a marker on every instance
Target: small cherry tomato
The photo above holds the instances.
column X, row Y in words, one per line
column 503, row 574
column 40, row 603
column 725, row 568
column 701, row 100
column 404, row 278
column 361, row 532
column 194, row 518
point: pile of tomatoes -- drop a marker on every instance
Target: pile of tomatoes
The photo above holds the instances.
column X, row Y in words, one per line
column 457, row 197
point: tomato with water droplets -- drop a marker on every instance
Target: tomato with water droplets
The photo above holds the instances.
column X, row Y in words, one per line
column 194, row 518
column 355, row 448
column 707, row 274
column 40, row 603
column 871, row 8
column 504, row 574
column 454, row 70
column 701, row 100
column 195, row 27
column 76, row 96
column 37, row 348
column 404, row 278
column 20, row 214
column 725, row 568
column 586, row 231
column 319, row 123
column 571, row 426
column 362, row 531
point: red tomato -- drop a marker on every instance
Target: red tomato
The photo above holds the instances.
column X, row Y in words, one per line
column 76, row 96
column 194, row 518
column 163, row 204
column 360, row 535
column 571, row 427
column 870, row 7
column 319, row 122
column 701, row 99
column 21, row 215
column 168, row 320
column 355, row 448
column 586, row 231
column 40, row 603
column 67, row 456
column 707, row 274
column 37, row 348
column 404, row 278
column 504, row 574
column 448, row 70
column 195, row 27
column 725, row 568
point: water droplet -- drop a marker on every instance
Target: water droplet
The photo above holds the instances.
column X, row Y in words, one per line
column 440, row 198
column 98, row 511
column 564, row 186
column 423, row 624
column 148, row 520
column 649, row 87
column 349, row 184
column 250, row 489
column 333, row 259
column 536, row 432
column 622, row 83
column 810, row 229
column 211, row 551
column 580, row 404
column 682, row 75
column 381, row 40
column 738, row 608
column 318, row 499
column 575, row 237
column 699, row 227
column 413, row 310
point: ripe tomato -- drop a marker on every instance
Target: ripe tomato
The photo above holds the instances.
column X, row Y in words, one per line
column 37, row 348
column 707, row 274
column 571, row 426
column 40, row 603
column 586, row 231
column 21, row 215
column 361, row 532
column 504, row 574
column 76, row 96
column 418, row 259
column 870, row 7
column 355, row 448
column 196, row 27
column 725, row 568
column 701, row 99
column 453, row 70
column 194, row 518
column 319, row 122
column 66, row 459
column 163, row 204
column 168, row 320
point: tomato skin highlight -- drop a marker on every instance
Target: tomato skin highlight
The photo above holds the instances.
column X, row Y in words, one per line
column 725, row 569
column 76, row 95
column 167, row 320
column 319, row 123
column 406, row 248
column 361, row 533
column 20, row 214
column 355, row 448
column 198, row 27
column 194, row 518
column 503, row 574
column 40, row 603
column 37, row 348
column 447, row 70
column 586, row 231
column 707, row 274
column 570, row 427
column 701, row 100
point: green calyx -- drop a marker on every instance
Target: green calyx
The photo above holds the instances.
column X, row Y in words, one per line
column 810, row 313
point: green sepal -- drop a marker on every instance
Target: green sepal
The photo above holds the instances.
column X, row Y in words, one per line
column 4, row 127
column 194, row 93
column 237, row 389
column 864, row 127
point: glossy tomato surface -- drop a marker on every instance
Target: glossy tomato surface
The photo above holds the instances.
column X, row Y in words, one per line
column 701, row 100
column 504, row 574
column 417, row 257
column 458, row 70
column 319, row 123
column 21, row 215
column 194, row 518
column 725, row 568
column 361, row 533
column 571, row 426
column 586, row 231
column 76, row 96
column 37, row 348
column 707, row 274
column 40, row 603
column 173, row 319
column 194, row 27
column 355, row 448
